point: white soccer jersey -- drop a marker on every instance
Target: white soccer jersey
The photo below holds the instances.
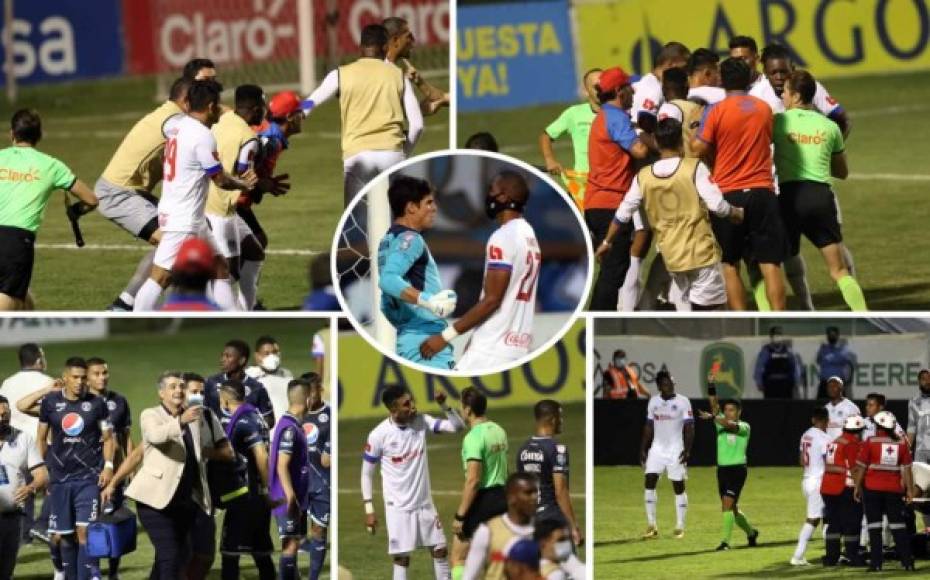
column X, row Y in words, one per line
column 668, row 419
column 647, row 96
column 822, row 101
column 16, row 387
column 509, row 331
column 813, row 451
column 871, row 428
column 838, row 413
column 710, row 95
column 190, row 160
column 275, row 385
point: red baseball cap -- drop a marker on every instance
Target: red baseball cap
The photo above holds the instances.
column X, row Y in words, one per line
column 193, row 255
column 283, row 104
column 612, row 79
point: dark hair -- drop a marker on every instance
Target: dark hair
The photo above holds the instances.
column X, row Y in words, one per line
column 744, row 42
column 672, row 51
column 235, row 388
column 604, row 97
column 95, row 361
column 835, row 329
column 263, row 340
column 544, row 528
column 820, row 414
column 664, row 374
column 922, row 372
column 312, row 379
column 774, row 51
column 474, row 400
column 483, row 141
column 249, row 97
column 803, row 83
column 775, row 330
column 188, row 377
column 735, row 74
column 239, row 345
column 29, row 354
column 374, row 35
column 294, row 384
column 520, row 477
column 4, row 400
column 405, row 189
column 877, row 397
column 701, row 59
column 620, row 351
column 520, row 190
column 393, row 25
column 27, row 126
column 76, row 362
column 675, row 83
column 733, row 402
column 179, row 88
column 391, row 394
column 546, row 408
column 202, row 94
column 194, row 65
column 668, row 134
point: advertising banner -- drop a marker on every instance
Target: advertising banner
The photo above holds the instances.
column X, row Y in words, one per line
column 16, row 331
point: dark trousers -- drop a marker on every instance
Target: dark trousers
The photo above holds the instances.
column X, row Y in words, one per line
column 169, row 532
column 606, row 292
column 10, row 529
column 29, row 514
column 842, row 516
column 883, row 503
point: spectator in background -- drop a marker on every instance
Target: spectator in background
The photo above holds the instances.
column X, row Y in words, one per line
column 835, row 359
column 322, row 296
column 918, row 424
column 193, row 269
column 621, row 381
column 483, row 141
column 778, row 369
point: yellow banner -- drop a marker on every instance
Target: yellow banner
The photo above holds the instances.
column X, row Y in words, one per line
column 364, row 372
column 827, row 37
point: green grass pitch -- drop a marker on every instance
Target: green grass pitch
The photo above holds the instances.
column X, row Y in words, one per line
column 83, row 124
column 881, row 202
column 135, row 362
column 365, row 555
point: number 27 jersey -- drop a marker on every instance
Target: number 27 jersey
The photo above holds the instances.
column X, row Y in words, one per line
column 509, row 331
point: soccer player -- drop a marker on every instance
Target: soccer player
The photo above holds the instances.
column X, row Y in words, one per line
column 233, row 359
column 875, row 404
column 400, row 44
column 678, row 107
column 813, row 449
column 503, row 317
column 493, row 538
column 268, row 371
column 576, row 121
column 29, row 178
column 412, row 298
column 809, row 150
column 398, row 445
column 683, row 228
column 704, row 77
column 247, row 520
column 666, row 446
column 842, row 515
column 838, row 407
column 737, row 135
column 647, row 91
column 190, row 164
column 375, row 100
column 745, row 48
column 317, row 425
column 547, row 459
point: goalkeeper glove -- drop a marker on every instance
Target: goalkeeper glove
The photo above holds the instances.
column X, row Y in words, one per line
column 442, row 304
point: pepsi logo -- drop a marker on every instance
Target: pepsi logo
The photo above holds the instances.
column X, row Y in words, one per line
column 312, row 433
column 72, row 424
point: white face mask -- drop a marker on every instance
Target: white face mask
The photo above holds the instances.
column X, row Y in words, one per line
column 271, row 362
column 563, row 549
column 194, row 399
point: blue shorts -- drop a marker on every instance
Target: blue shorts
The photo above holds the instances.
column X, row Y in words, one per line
column 73, row 503
column 291, row 527
column 318, row 507
column 408, row 347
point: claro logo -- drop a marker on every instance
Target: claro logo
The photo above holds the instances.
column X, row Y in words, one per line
column 429, row 21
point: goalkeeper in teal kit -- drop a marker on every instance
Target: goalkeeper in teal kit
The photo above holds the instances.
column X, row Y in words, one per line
column 412, row 298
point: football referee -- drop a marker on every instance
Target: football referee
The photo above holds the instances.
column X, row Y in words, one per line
column 27, row 179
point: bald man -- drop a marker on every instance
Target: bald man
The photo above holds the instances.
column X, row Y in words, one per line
column 503, row 317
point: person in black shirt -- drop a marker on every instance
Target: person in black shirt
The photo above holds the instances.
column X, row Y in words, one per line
column 233, row 360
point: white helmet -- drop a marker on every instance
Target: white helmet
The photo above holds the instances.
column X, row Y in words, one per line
column 854, row 423
column 885, row 419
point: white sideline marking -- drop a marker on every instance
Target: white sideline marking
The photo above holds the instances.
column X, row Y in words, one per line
column 145, row 247
column 458, row 492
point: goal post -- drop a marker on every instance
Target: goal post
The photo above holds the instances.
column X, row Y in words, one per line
column 379, row 220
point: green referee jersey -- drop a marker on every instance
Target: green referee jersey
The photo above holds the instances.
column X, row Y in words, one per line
column 487, row 442
column 27, row 179
column 731, row 447
column 805, row 142
column 576, row 121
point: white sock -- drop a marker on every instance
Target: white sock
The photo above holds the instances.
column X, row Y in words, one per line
column 807, row 531
column 138, row 277
column 651, row 499
column 248, row 283
column 127, row 298
column 400, row 572
column 441, row 568
column 147, row 296
column 681, row 509
column 796, row 272
column 864, row 534
column 224, row 295
column 629, row 292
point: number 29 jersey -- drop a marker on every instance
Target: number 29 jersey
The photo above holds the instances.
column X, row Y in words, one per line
column 509, row 331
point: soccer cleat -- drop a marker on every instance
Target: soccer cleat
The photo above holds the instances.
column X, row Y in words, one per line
column 678, row 533
column 119, row 306
column 753, row 538
column 650, row 533
column 723, row 547
column 799, row 562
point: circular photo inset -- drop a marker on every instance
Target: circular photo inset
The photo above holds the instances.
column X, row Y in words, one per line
column 462, row 263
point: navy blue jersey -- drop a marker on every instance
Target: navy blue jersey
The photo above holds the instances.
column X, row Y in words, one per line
column 76, row 429
column 250, row 430
column 120, row 415
column 255, row 395
column 544, row 456
column 316, row 429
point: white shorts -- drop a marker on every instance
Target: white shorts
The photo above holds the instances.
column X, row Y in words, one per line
column 702, row 286
column 474, row 360
column 660, row 460
column 362, row 167
column 170, row 244
column 227, row 233
column 811, row 487
column 409, row 530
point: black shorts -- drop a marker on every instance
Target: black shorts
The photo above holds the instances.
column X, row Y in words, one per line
column 246, row 527
column 809, row 208
column 203, row 534
column 17, row 256
column 730, row 480
column 761, row 237
column 490, row 502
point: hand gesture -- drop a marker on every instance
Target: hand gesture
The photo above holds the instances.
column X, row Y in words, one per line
column 432, row 345
column 106, row 494
column 277, row 185
column 412, row 73
column 191, row 414
column 249, row 179
column 103, row 480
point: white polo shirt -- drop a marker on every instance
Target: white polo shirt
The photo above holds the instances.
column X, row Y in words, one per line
column 18, row 455
column 16, row 387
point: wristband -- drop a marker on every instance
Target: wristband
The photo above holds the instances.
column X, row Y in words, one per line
column 449, row 333
column 108, row 465
column 459, row 518
column 369, row 508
